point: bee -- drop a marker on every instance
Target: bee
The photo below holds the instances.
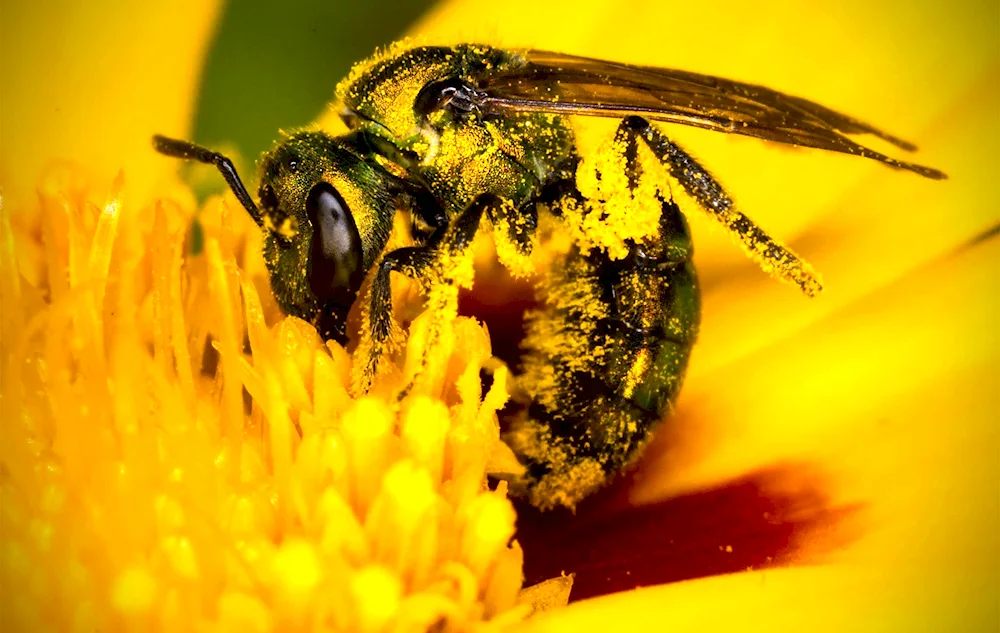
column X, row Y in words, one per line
column 467, row 136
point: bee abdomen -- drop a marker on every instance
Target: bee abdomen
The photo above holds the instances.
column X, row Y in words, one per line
column 604, row 360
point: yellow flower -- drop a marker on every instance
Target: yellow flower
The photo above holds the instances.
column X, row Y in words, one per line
column 865, row 418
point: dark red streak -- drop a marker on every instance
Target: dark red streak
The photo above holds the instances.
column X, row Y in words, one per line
column 612, row 546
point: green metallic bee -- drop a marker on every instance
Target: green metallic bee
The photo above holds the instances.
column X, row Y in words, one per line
column 456, row 135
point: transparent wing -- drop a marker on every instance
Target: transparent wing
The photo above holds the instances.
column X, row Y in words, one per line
column 566, row 84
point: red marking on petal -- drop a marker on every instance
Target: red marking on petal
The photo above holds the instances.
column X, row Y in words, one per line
column 501, row 306
column 766, row 519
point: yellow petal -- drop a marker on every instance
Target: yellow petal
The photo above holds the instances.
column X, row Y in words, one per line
column 92, row 82
column 905, row 430
column 863, row 386
column 886, row 227
column 894, row 400
column 812, row 599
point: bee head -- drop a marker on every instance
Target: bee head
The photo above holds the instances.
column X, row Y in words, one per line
column 326, row 215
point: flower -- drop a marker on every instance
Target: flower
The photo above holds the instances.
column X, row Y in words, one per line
column 878, row 396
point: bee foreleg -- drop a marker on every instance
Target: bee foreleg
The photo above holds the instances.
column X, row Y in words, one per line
column 412, row 262
column 710, row 196
column 437, row 265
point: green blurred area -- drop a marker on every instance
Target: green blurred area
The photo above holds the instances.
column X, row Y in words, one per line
column 275, row 65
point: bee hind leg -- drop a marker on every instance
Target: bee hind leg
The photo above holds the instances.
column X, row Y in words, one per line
column 699, row 184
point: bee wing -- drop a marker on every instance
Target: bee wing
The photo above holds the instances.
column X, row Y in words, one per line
column 565, row 84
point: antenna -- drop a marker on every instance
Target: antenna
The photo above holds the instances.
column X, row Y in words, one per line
column 189, row 151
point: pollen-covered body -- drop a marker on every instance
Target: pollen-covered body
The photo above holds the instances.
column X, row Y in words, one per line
column 604, row 356
column 604, row 360
column 467, row 136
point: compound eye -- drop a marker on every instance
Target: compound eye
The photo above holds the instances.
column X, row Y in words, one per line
column 335, row 272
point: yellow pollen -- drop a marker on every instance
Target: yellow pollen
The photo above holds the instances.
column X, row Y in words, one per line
column 376, row 592
column 296, row 570
column 134, row 591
